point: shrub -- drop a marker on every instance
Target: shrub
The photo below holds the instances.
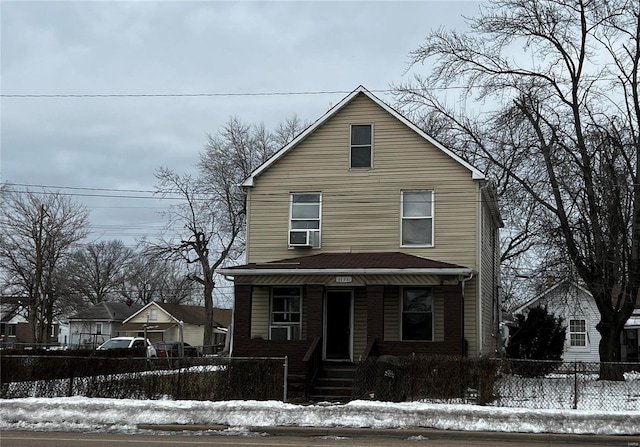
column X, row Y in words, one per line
column 538, row 336
column 442, row 378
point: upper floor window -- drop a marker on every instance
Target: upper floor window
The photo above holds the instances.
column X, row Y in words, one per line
column 99, row 328
column 417, row 218
column 304, row 224
column 417, row 313
column 578, row 333
column 361, row 154
column 153, row 314
column 285, row 313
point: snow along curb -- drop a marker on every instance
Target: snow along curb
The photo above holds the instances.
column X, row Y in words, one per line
column 79, row 413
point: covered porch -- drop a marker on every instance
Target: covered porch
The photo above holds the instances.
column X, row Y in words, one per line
column 348, row 306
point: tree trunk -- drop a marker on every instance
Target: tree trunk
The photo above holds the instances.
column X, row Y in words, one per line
column 207, row 340
column 609, row 349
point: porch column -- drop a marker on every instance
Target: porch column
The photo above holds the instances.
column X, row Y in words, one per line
column 375, row 312
column 453, row 317
column 242, row 312
column 313, row 310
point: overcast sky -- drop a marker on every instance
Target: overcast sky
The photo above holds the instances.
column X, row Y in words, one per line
column 106, row 144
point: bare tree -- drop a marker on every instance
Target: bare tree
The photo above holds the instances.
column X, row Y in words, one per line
column 288, row 130
column 152, row 278
column 37, row 232
column 209, row 234
column 211, row 215
column 98, row 270
column 564, row 77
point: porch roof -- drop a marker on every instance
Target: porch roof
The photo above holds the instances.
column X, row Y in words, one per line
column 375, row 263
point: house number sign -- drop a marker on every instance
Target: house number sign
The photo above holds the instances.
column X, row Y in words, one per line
column 343, row 279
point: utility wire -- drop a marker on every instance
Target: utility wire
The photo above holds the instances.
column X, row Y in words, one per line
column 250, row 94
column 176, row 95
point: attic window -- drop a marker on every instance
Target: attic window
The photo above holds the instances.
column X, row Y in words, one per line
column 361, row 153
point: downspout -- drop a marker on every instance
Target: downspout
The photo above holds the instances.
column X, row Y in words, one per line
column 228, row 341
column 463, row 347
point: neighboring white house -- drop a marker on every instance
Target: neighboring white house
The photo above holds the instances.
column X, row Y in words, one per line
column 97, row 324
column 631, row 337
column 578, row 309
column 64, row 337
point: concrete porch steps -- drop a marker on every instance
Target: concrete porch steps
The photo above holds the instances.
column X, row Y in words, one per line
column 334, row 382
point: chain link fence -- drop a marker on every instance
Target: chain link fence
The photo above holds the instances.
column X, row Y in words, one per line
column 202, row 378
column 496, row 382
column 499, row 382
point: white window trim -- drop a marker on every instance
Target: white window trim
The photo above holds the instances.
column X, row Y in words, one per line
column 586, row 334
column 433, row 315
column 433, row 219
column 319, row 230
column 351, row 168
column 271, row 324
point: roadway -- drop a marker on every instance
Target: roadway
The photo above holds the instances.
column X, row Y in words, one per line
column 312, row 437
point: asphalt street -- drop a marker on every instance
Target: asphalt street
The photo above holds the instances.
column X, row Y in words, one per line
column 305, row 436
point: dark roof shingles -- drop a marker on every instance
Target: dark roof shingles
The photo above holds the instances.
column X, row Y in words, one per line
column 377, row 260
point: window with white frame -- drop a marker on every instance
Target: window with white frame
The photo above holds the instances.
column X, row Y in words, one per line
column 304, row 223
column 417, row 313
column 99, row 328
column 578, row 333
column 361, row 153
column 285, row 313
column 153, row 314
column 7, row 329
column 417, row 218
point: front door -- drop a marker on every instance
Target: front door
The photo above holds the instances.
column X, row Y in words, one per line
column 337, row 329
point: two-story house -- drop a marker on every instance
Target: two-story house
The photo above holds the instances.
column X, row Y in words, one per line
column 365, row 236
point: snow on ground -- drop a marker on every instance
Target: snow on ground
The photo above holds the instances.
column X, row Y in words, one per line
column 122, row 415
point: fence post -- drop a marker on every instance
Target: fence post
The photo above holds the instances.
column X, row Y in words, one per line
column 70, row 364
column 575, row 385
column 286, row 374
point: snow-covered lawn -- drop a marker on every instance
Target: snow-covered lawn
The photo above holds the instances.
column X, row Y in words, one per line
column 563, row 391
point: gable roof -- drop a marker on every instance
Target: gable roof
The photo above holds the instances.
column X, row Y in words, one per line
column 188, row 314
column 351, row 263
column 249, row 181
column 565, row 283
column 107, row 311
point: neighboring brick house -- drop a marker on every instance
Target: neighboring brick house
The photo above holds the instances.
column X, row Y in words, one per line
column 15, row 329
column 365, row 236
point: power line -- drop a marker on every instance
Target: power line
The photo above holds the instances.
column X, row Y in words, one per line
column 82, row 188
column 177, row 95
column 256, row 94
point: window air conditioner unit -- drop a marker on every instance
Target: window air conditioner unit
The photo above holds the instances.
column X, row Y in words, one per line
column 281, row 333
column 301, row 238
